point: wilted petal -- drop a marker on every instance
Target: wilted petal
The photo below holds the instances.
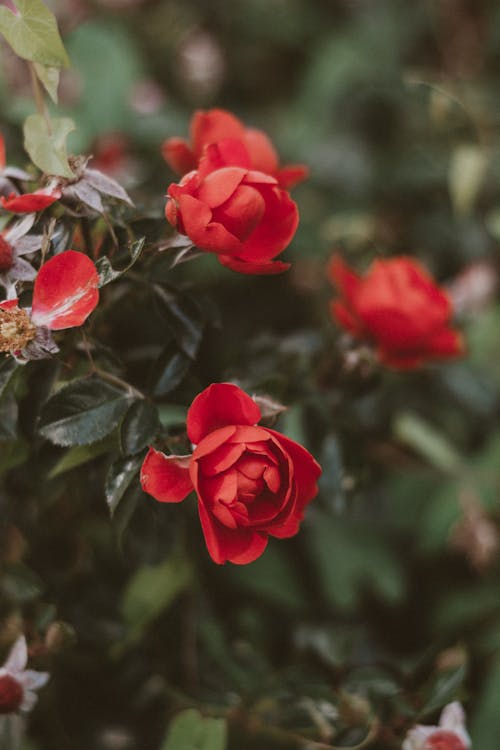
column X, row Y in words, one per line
column 18, row 656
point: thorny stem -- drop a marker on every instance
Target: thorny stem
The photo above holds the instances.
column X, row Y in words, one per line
column 39, row 98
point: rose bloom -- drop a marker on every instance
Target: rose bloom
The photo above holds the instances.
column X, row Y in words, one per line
column 17, row 684
column 238, row 213
column 251, row 482
column 64, row 294
column 399, row 307
column 449, row 735
column 241, row 146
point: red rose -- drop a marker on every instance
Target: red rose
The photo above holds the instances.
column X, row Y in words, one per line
column 251, row 482
column 240, row 214
column 399, row 307
column 243, row 147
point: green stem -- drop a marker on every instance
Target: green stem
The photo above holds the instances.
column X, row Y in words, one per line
column 39, row 97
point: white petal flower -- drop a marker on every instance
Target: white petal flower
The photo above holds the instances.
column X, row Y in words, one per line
column 17, row 684
column 452, row 721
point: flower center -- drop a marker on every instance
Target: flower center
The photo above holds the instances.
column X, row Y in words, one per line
column 11, row 694
column 6, row 254
column 444, row 740
column 16, row 329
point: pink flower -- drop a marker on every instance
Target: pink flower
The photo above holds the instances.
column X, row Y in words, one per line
column 17, row 684
column 64, row 295
column 449, row 735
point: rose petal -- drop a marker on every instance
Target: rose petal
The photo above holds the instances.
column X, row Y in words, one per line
column 240, row 546
column 178, row 155
column 214, row 126
column 65, row 291
column 290, row 176
column 269, row 268
column 220, row 405
column 29, row 202
column 166, row 478
column 261, row 150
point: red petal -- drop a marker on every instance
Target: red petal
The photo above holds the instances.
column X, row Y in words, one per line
column 261, row 150
column 196, row 219
column 2, row 152
column 218, row 186
column 225, row 153
column 277, row 228
column 166, row 478
column 258, row 269
column 242, row 213
column 291, row 175
column 346, row 318
column 8, row 304
column 306, row 469
column 446, row 343
column 178, row 155
column 239, row 546
column 220, row 405
column 213, row 126
column 341, row 276
column 65, row 291
column 29, row 202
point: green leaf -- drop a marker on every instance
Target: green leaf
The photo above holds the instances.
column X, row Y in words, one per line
column 171, row 368
column 82, row 412
column 118, row 480
column 33, row 34
column 81, row 454
column 106, row 271
column 49, row 77
column 7, row 369
column 138, row 427
column 189, row 730
column 183, row 317
column 47, row 149
column 21, row 583
column 151, row 590
column 428, row 442
column 443, row 690
column 12, row 454
column 485, row 729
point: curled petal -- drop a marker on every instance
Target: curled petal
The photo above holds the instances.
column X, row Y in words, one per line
column 178, row 155
column 65, row 291
column 29, row 202
column 220, row 405
column 214, row 126
column 166, row 478
column 291, row 175
column 18, row 656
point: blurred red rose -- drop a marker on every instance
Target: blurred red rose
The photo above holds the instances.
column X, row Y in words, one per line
column 241, row 146
column 240, row 214
column 444, row 740
column 398, row 306
column 251, row 481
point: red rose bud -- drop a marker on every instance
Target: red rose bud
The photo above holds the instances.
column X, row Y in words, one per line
column 242, row 147
column 240, row 215
column 444, row 740
column 251, row 482
column 399, row 307
column 11, row 694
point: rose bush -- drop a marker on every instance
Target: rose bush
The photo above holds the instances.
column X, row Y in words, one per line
column 240, row 214
column 240, row 146
column 399, row 307
column 251, row 482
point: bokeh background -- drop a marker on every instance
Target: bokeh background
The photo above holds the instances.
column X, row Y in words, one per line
column 390, row 595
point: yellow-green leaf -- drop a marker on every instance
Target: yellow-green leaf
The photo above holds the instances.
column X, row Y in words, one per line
column 49, row 77
column 33, row 34
column 48, row 149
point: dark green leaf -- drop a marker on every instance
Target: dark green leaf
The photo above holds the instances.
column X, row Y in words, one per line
column 81, row 454
column 171, row 367
column 106, row 271
column 184, row 319
column 21, row 583
column 443, row 690
column 8, row 416
column 82, row 412
column 138, row 427
column 119, row 477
